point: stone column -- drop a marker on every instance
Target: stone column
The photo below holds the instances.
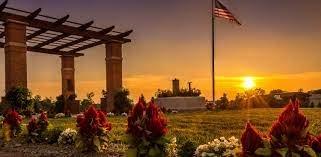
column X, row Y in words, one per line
column 68, row 83
column 68, row 75
column 113, row 72
column 15, row 54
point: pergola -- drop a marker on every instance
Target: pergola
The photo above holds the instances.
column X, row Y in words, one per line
column 22, row 31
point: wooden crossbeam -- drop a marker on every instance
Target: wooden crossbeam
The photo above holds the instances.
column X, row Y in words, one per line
column 104, row 31
column 82, row 28
column 37, row 23
column 34, row 14
column 3, row 5
column 98, row 43
column 47, row 51
column 125, row 34
column 86, row 47
column 58, row 22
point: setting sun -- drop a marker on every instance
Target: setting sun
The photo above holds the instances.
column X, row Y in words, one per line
column 248, row 82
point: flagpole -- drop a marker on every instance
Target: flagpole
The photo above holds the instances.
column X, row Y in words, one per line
column 213, row 52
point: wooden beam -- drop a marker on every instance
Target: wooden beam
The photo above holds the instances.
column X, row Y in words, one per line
column 52, row 40
column 3, row 5
column 125, row 34
column 86, row 47
column 34, row 14
column 37, row 23
column 104, row 31
column 47, row 51
column 58, row 22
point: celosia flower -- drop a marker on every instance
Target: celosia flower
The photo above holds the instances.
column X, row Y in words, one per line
column 135, row 120
column 251, row 139
column 92, row 121
column 315, row 143
column 32, row 125
column 13, row 118
column 156, row 121
column 291, row 127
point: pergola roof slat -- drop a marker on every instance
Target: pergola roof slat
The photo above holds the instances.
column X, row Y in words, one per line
column 104, row 31
column 58, row 22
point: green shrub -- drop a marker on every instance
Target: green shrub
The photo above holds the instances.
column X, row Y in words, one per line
column 187, row 149
column 59, row 104
column 19, row 98
column 52, row 135
column 122, row 102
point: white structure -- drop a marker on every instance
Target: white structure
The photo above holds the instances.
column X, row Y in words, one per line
column 315, row 99
column 181, row 103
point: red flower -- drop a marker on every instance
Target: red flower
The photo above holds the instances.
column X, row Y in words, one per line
column 315, row 143
column 135, row 119
column 13, row 118
column 32, row 125
column 156, row 121
column 251, row 139
column 91, row 122
column 291, row 124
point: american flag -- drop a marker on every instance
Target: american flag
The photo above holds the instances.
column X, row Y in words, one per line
column 222, row 12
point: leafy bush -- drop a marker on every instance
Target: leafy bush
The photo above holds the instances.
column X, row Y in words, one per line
column 11, row 125
column 67, row 137
column 289, row 136
column 92, row 128
column 220, row 147
column 222, row 103
column 19, row 98
column 36, row 127
column 52, row 135
column 59, row 104
column 187, row 149
column 182, row 93
column 121, row 101
column 147, row 127
column 85, row 103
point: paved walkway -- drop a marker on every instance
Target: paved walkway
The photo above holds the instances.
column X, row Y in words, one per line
column 5, row 154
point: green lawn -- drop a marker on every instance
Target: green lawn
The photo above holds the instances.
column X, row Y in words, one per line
column 204, row 126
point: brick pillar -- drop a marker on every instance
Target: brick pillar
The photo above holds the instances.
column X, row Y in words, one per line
column 113, row 72
column 67, row 78
column 15, row 55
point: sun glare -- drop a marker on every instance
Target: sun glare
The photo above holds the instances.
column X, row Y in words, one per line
column 248, row 82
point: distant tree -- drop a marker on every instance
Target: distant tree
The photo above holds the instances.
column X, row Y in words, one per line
column 222, row 103
column 311, row 105
column 300, row 90
column 19, row 98
column 238, row 102
column 319, row 105
column 259, row 92
column 276, row 91
column 85, row 103
column 59, row 104
column 37, row 103
column 121, row 101
column 318, row 91
column 163, row 93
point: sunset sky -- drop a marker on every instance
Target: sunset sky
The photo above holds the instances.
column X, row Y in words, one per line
column 279, row 44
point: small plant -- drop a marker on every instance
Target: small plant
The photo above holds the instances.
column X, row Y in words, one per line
column 67, row 137
column 147, row 127
column 53, row 134
column 36, row 127
column 187, row 149
column 171, row 148
column 11, row 125
column 288, row 136
column 92, row 128
column 220, row 147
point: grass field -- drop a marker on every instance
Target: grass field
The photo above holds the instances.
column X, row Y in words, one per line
column 204, row 126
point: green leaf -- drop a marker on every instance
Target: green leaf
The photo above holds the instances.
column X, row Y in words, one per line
column 162, row 141
column 131, row 152
column 154, row 152
column 309, row 151
column 96, row 142
column 282, row 151
column 263, row 152
column 295, row 154
column 267, row 143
